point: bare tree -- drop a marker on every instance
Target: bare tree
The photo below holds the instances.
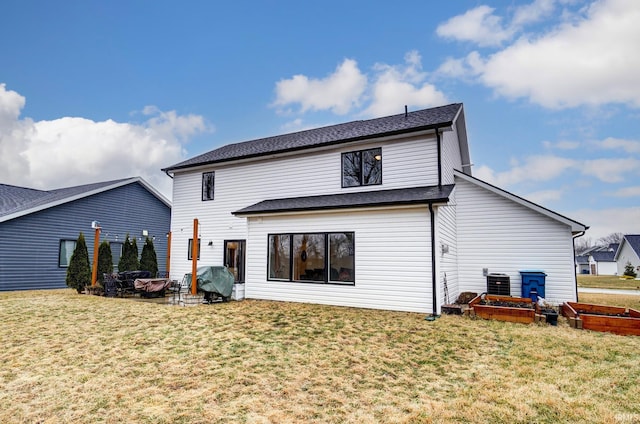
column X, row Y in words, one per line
column 611, row 238
column 581, row 244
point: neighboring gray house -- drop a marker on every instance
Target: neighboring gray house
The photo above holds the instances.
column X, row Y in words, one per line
column 628, row 252
column 39, row 229
column 381, row 213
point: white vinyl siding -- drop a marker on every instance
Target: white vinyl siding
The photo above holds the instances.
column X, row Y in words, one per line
column 447, row 251
column 625, row 255
column 392, row 259
column 506, row 237
column 405, row 164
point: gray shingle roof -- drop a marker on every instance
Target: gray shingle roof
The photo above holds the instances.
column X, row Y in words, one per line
column 420, row 120
column 403, row 196
column 634, row 242
column 603, row 256
column 17, row 201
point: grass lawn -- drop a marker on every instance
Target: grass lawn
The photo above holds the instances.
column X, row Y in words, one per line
column 607, row 282
column 611, row 299
column 85, row 359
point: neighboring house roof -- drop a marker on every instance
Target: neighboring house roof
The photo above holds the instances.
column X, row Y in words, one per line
column 603, row 256
column 582, row 260
column 421, row 120
column 394, row 197
column 19, row 201
column 633, row 240
column 576, row 227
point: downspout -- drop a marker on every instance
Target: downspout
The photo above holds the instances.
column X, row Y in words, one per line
column 575, row 273
column 438, row 142
column 434, row 311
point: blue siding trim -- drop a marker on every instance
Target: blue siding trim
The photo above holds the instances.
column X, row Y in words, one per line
column 29, row 245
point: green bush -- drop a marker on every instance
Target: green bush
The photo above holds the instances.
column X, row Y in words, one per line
column 148, row 258
column 129, row 259
column 105, row 260
column 79, row 270
column 629, row 271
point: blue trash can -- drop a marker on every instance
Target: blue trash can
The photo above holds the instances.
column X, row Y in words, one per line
column 533, row 283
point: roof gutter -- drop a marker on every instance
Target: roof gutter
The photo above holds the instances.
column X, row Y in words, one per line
column 438, row 141
column 575, row 273
column 434, row 310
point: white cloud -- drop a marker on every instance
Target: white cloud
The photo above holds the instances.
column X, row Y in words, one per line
column 561, row 145
column 339, row 92
column 534, row 168
column 543, row 196
column 533, row 12
column 397, row 85
column 629, row 146
column 626, row 192
column 590, row 62
column 478, row 25
column 610, row 170
column 71, row 151
column 386, row 91
column 607, row 221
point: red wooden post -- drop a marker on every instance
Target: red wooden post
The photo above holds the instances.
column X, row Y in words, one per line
column 96, row 246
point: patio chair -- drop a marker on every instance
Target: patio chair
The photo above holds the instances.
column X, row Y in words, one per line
column 111, row 286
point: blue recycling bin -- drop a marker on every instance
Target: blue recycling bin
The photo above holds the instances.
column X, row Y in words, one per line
column 533, row 283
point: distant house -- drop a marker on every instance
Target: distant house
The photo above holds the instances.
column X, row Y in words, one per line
column 381, row 213
column 603, row 262
column 39, row 229
column 582, row 264
column 628, row 252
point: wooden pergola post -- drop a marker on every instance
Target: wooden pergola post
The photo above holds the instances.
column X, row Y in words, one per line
column 194, row 258
column 168, row 266
column 96, row 246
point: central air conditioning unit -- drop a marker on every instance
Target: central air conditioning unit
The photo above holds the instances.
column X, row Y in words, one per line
column 499, row 284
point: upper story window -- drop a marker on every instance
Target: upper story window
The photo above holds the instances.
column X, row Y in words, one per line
column 208, row 179
column 362, row 167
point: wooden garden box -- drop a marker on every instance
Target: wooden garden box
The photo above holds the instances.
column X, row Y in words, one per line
column 505, row 308
column 611, row 319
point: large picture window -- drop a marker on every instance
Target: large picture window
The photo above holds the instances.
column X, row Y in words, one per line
column 208, row 180
column 312, row 257
column 66, row 250
column 361, row 168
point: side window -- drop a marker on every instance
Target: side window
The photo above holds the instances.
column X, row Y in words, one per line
column 362, row 168
column 189, row 255
column 66, row 250
column 208, row 180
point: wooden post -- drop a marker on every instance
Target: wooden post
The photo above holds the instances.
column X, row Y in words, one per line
column 168, row 266
column 194, row 258
column 96, row 246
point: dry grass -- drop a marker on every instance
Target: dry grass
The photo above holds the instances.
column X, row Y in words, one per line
column 85, row 359
column 607, row 282
column 611, row 299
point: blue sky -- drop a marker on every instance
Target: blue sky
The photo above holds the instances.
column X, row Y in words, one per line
column 91, row 91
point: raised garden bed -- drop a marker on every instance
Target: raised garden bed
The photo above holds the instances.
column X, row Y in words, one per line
column 505, row 308
column 611, row 319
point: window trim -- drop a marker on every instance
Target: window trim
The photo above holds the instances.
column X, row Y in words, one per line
column 190, row 247
column 75, row 243
column 361, row 176
column 205, row 175
column 327, row 259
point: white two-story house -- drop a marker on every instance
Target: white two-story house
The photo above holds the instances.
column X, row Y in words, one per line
column 381, row 213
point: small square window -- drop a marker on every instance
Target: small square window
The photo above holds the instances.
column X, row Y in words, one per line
column 208, row 180
column 362, row 168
